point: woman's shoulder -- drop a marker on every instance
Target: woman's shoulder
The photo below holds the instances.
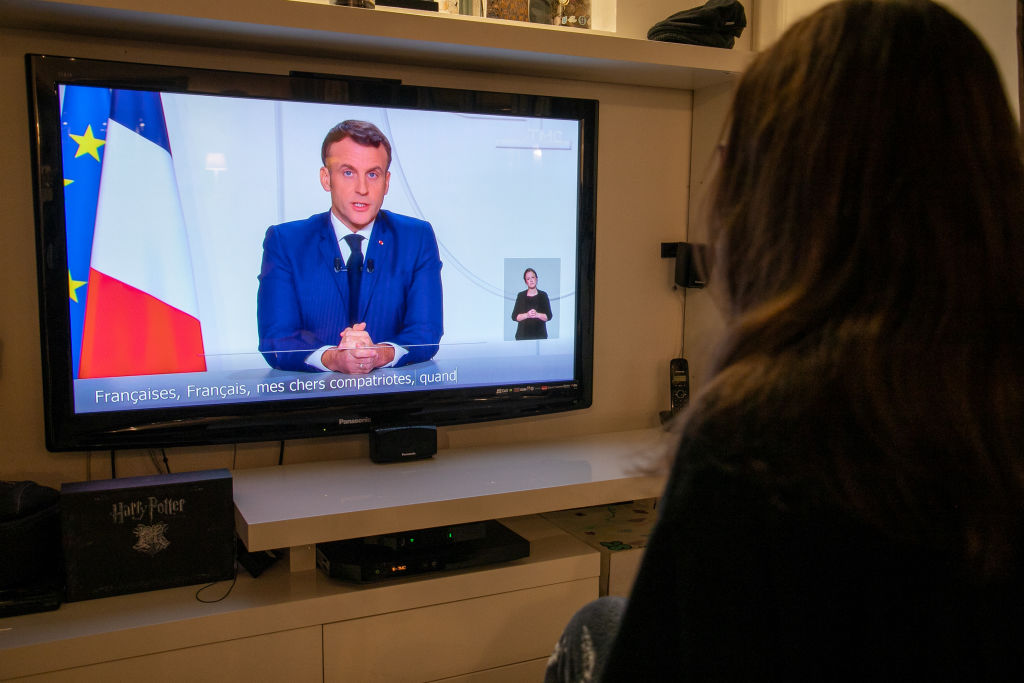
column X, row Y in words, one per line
column 757, row 452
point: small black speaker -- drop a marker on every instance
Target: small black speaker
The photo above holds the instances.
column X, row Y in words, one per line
column 399, row 444
column 691, row 265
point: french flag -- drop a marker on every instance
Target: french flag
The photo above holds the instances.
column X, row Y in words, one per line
column 141, row 314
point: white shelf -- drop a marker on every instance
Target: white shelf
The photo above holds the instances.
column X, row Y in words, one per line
column 296, row 506
column 427, row 39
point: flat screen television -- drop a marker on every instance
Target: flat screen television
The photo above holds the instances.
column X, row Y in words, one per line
column 155, row 191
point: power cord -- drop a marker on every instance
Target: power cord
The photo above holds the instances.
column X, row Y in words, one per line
column 231, row 587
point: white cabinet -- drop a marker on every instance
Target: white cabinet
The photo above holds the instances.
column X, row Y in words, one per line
column 292, row 656
column 493, row 622
column 453, row 638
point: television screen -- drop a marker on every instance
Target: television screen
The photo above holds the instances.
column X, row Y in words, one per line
column 197, row 284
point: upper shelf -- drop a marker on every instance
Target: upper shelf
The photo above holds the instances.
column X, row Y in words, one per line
column 307, row 503
column 421, row 38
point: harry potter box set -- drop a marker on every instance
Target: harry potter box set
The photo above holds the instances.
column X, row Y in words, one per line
column 142, row 533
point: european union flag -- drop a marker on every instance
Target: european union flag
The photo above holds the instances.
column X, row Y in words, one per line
column 84, row 113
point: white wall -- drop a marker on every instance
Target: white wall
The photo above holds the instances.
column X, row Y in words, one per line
column 995, row 21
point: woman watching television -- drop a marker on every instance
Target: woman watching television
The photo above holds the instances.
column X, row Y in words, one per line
column 847, row 497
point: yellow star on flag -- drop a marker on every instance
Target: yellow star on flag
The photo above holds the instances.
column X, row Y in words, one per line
column 88, row 144
column 67, row 182
column 73, row 286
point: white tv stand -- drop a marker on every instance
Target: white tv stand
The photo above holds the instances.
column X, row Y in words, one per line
column 495, row 623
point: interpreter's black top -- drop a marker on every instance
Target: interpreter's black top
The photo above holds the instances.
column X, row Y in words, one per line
column 532, row 328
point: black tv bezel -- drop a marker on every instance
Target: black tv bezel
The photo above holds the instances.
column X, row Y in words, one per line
column 293, row 418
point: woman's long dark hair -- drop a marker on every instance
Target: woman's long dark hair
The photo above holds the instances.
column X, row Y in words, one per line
column 869, row 240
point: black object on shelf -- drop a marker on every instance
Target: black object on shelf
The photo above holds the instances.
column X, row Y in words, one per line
column 31, row 570
column 41, row 597
column 425, row 5
column 717, row 23
column 142, row 533
column 365, row 4
column 377, row 558
column 29, row 534
column 255, row 562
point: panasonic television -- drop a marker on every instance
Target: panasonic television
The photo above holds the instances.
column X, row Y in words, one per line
column 155, row 187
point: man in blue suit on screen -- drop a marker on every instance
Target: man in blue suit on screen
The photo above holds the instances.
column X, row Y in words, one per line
column 355, row 288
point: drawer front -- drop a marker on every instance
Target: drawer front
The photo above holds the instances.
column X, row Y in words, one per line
column 513, row 673
column 456, row 638
column 293, row 656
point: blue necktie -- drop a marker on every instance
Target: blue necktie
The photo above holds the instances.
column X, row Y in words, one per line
column 354, row 266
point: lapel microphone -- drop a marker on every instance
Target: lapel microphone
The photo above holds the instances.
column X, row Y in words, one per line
column 338, row 267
